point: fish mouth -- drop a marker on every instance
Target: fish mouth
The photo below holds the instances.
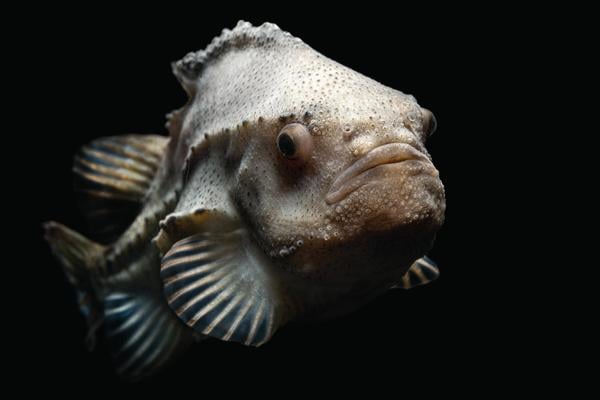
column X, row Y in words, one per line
column 365, row 169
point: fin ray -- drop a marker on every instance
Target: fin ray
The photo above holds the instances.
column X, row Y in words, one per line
column 241, row 315
column 226, row 310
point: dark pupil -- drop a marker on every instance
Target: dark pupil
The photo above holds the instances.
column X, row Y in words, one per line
column 286, row 145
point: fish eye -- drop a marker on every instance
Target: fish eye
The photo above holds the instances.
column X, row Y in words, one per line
column 294, row 142
column 429, row 122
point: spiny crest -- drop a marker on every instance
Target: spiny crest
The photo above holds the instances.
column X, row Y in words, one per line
column 243, row 35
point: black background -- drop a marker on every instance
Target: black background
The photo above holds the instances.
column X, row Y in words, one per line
column 94, row 73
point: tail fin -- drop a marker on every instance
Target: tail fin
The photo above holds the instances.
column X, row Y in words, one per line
column 141, row 332
column 77, row 255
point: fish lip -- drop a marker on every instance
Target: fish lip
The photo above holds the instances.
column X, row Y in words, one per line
column 391, row 153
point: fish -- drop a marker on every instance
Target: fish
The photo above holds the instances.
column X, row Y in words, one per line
column 289, row 188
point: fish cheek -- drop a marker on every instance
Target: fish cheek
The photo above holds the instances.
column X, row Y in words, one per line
column 247, row 194
column 254, row 190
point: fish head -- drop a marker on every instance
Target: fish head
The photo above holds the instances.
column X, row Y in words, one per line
column 306, row 186
column 328, row 168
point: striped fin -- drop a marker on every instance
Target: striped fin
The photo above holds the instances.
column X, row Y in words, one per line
column 423, row 271
column 112, row 176
column 142, row 333
column 218, row 284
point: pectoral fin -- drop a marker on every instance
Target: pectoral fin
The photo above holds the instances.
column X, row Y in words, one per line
column 421, row 272
column 218, row 282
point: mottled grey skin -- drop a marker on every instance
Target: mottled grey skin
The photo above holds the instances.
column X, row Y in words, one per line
column 309, row 236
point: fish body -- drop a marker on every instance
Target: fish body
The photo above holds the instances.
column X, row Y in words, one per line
column 290, row 188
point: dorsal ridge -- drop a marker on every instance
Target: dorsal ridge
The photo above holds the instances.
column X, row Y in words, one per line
column 242, row 36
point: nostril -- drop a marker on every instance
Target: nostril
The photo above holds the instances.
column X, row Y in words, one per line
column 347, row 132
column 361, row 144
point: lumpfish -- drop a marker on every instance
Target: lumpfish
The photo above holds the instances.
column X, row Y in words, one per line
column 289, row 188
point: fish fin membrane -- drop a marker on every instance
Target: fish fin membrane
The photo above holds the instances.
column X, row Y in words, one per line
column 77, row 256
column 140, row 329
column 142, row 333
column 112, row 177
column 220, row 284
column 423, row 271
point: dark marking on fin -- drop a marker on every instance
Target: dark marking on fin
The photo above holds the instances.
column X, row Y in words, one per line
column 112, row 176
column 218, row 284
column 423, row 271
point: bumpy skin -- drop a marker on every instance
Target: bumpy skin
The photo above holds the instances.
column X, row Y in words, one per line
column 246, row 86
column 234, row 238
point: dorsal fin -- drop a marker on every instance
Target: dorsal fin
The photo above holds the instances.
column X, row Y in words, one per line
column 112, row 176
